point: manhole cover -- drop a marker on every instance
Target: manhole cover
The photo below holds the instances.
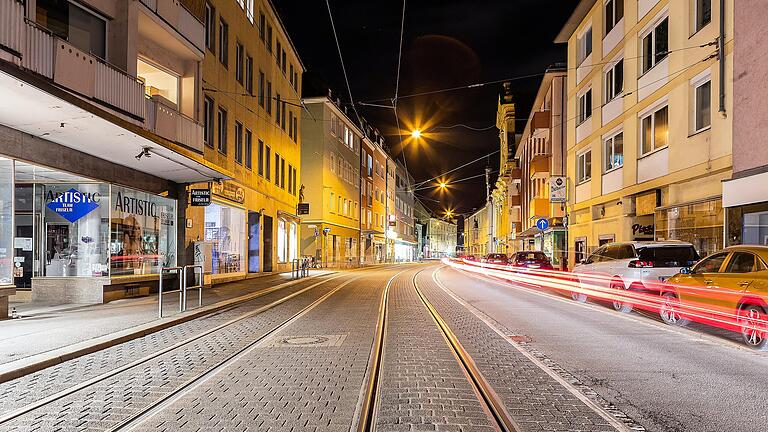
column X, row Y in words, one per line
column 307, row 341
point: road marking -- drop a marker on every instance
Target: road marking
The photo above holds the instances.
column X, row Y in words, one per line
column 493, row 325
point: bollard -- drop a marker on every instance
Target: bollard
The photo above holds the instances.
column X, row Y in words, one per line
column 163, row 271
column 198, row 286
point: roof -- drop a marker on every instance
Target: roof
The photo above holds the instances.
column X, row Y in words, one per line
column 581, row 11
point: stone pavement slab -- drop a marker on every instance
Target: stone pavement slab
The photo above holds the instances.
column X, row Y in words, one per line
column 422, row 385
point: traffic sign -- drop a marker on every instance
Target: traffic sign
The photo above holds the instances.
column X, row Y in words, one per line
column 542, row 224
column 557, row 189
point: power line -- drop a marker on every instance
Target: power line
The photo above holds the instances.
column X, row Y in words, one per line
column 341, row 58
column 416, row 185
column 465, row 126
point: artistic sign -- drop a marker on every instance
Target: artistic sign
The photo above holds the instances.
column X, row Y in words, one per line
column 73, row 205
column 200, row 197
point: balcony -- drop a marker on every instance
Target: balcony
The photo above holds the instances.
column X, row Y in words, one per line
column 185, row 16
column 537, row 208
column 165, row 120
column 54, row 58
column 541, row 120
column 539, row 168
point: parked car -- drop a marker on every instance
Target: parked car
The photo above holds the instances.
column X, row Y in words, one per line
column 495, row 258
column 733, row 281
column 638, row 266
column 469, row 257
column 530, row 260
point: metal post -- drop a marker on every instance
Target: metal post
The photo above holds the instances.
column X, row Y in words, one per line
column 197, row 286
column 163, row 271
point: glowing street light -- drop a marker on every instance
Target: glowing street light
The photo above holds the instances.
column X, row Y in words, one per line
column 416, row 134
column 443, row 185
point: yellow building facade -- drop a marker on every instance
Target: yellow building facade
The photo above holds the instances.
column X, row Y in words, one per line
column 251, row 112
column 649, row 125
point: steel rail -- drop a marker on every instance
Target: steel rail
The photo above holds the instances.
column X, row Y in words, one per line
column 488, row 395
column 168, row 400
column 4, row 418
column 367, row 419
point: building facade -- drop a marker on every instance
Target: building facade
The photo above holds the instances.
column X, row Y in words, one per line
column 440, row 238
column 541, row 155
column 405, row 228
column 745, row 195
column 505, row 217
column 251, row 123
column 633, row 73
column 102, row 132
column 331, row 174
column 380, row 199
column 477, row 236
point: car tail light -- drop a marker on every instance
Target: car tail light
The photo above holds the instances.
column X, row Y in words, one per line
column 640, row 264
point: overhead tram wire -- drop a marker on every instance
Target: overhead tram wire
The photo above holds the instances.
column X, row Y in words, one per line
column 343, row 67
column 397, row 88
column 416, row 185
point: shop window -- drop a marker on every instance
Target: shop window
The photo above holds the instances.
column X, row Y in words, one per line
column 225, row 228
column 654, row 130
column 614, row 12
column 614, row 151
column 79, row 26
column 655, row 45
column 293, row 241
column 158, row 81
column 282, row 255
column 614, row 81
column 143, row 233
column 6, row 221
column 700, row 224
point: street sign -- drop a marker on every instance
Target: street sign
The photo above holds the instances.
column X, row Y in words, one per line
column 557, row 189
column 200, row 197
column 542, row 224
column 302, row 209
column 326, row 230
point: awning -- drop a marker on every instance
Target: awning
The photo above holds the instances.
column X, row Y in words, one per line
column 29, row 109
column 745, row 190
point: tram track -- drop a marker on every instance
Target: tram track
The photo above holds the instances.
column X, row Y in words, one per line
column 84, row 386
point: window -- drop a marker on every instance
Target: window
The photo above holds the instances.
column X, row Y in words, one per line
column 269, row 97
column 614, row 81
column 614, row 151
column 249, row 10
column 584, row 167
column 654, row 130
column 210, row 27
column 291, row 76
column 585, row 106
column 702, row 106
column 614, row 12
column 75, row 24
column 295, row 181
column 208, row 121
column 741, row 262
column 277, row 169
column 248, row 149
column 296, row 81
column 267, row 161
column 278, row 107
column 703, row 12
column 656, row 45
column 278, row 48
column 239, row 62
column 249, row 75
column 710, row 264
column 290, row 178
column 295, row 128
column 222, row 120
column 269, row 38
column 282, row 65
column 282, row 116
column 158, row 81
column 290, row 124
column 260, row 166
column 584, row 47
column 262, row 24
column 282, row 173
column 261, row 89
column 238, row 142
column 223, row 43
column 333, row 203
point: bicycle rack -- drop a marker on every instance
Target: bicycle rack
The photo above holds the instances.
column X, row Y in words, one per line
column 198, row 287
column 164, row 271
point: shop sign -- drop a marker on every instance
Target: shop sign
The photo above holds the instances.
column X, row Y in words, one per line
column 557, row 189
column 200, row 197
column 643, row 228
column 302, row 209
column 72, row 205
column 230, row 191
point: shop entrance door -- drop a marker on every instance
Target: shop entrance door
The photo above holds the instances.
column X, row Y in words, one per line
column 23, row 247
column 253, row 241
column 267, row 245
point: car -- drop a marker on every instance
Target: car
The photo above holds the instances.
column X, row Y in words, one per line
column 729, row 283
column 495, row 258
column 640, row 266
column 530, row 260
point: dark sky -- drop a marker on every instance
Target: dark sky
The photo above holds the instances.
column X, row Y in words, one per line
column 446, row 44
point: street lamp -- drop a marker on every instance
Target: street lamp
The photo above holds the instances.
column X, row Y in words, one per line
column 416, row 134
column 443, row 185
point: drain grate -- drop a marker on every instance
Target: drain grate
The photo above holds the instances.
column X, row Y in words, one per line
column 306, row 341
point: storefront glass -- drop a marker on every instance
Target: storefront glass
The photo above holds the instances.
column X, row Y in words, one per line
column 748, row 225
column 6, row 221
column 225, row 228
column 700, row 224
column 75, row 229
column 143, row 232
column 293, row 241
column 281, row 243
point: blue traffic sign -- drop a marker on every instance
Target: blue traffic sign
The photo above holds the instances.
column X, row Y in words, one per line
column 542, row 224
column 72, row 205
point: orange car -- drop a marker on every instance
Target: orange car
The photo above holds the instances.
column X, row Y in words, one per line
column 728, row 289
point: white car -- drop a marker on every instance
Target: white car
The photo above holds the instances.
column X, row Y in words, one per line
column 638, row 266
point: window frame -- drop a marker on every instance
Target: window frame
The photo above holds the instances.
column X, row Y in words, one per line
column 651, row 32
column 583, row 174
column 223, row 43
column 222, row 124
column 612, row 82
column 584, row 44
column 209, row 121
column 698, row 24
column 210, row 27
column 582, row 101
column 695, row 86
column 249, row 74
column 610, row 25
column 652, row 115
column 609, row 153
column 267, row 162
column 238, row 142
column 239, row 62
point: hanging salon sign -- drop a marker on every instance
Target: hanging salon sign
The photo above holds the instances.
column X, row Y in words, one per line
column 72, row 205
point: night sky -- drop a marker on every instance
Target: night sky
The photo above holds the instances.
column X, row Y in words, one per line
column 446, row 44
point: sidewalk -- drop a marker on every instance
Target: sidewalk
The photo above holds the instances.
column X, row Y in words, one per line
column 48, row 329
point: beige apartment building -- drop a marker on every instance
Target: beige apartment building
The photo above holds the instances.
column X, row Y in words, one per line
column 477, row 232
column 541, row 155
column 506, row 207
column 441, row 238
column 650, row 103
column 102, row 131
column 331, row 148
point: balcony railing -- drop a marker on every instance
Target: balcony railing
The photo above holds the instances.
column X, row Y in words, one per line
column 12, row 25
column 165, row 120
column 185, row 16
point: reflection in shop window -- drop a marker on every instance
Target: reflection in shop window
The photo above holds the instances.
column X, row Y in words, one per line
column 6, row 221
column 698, row 223
column 225, row 229
column 281, row 243
column 293, row 242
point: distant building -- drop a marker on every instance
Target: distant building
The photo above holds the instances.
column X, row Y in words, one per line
column 477, row 235
column 440, row 239
column 405, row 229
